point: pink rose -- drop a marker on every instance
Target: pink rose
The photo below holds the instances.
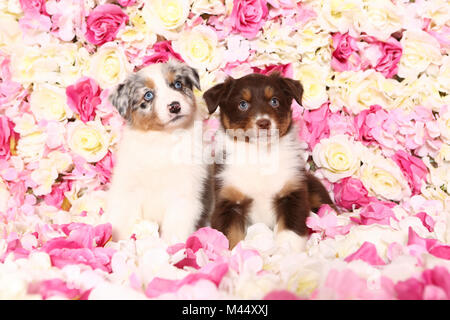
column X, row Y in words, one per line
column 33, row 7
column 350, row 193
column 126, row 3
column 433, row 284
column 56, row 196
column 284, row 69
column 384, row 56
column 379, row 212
column 248, row 16
column 104, row 168
column 104, row 22
column 83, row 97
column 314, row 125
column 413, row 169
column 366, row 120
column 7, row 136
column 162, row 52
column 345, row 56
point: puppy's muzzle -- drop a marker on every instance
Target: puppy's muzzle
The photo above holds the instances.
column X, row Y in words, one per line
column 263, row 124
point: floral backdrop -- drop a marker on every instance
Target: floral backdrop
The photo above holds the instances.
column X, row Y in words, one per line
column 375, row 126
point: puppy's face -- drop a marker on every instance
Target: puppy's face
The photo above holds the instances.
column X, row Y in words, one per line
column 158, row 97
column 255, row 103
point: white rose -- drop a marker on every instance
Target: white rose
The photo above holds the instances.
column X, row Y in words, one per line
column 382, row 177
column 340, row 14
column 89, row 140
column 419, row 50
column 31, row 147
column 380, row 19
column 313, row 78
column 44, row 176
column 109, row 65
column 10, row 32
column 165, row 17
column 213, row 7
column 4, row 196
column 337, row 156
column 199, row 48
column 49, row 102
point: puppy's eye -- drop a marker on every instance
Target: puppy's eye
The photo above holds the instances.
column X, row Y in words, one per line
column 243, row 105
column 148, row 96
column 274, row 102
column 177, row 85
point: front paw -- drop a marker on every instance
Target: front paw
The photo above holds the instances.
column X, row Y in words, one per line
column 290, row 241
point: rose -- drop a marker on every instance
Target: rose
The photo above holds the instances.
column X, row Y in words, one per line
column 7, row 137
column 413, row 169
column 383, row 56
column 379, row 19
column 49, row 102
column 248, row 16
column 89, row 140
column 340, row 14
column 109, row 66
column 199, row 48
column 419, row 50
column 162, row 52
column 313, row 77
column 166, row 17
column 350, row 193
column 104, row 22
column 83, row 97
column 383, row 177
column 126, row 3
column 10, row 32
column 345, row 56
column 33, row 7
column 338, row 156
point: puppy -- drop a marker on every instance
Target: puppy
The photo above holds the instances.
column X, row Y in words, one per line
column 252, row 108
column 149, row 181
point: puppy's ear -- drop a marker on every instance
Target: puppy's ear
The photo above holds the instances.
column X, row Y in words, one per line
column 213, row 96
column 294, row 88
column 125, row 95
column 191, row 75
column 291, row 87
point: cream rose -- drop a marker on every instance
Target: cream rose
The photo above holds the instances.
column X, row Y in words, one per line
column 382, row 177
column 340, row 14
column 109, row 65
column 10, row 32
column 337, row 156
column 4, row 196
column 214, row 7
column 31, row 147
column 380, row 19
column 313, row 78
column 199, row 48
column 419, row 51
column 89, row 140
column 44, row 176
column 49, row 102
column 165, row 17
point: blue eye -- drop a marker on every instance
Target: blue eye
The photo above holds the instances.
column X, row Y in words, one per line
column 177, row 85
column 148, row 96
column 274, row 102
column 243, row 105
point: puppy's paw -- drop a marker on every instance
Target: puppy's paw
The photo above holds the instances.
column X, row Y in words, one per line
column 290, row 241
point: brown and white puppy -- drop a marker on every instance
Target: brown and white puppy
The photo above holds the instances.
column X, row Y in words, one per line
column 251, row 108
column 149, row 181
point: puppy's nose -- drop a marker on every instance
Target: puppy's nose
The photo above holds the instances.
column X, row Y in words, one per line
column 174, row 107
column 263, row 124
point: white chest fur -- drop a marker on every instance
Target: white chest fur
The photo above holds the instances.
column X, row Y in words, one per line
column 155, row 179
column 260, row 174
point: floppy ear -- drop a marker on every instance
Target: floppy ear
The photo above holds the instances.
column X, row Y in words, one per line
column 192, row 76
column 293, row 88
column 126, row 95
column 213, row 96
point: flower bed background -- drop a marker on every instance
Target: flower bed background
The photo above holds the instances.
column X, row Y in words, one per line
column 375, row 126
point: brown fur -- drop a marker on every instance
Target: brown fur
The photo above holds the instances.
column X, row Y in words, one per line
column 297, row 198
